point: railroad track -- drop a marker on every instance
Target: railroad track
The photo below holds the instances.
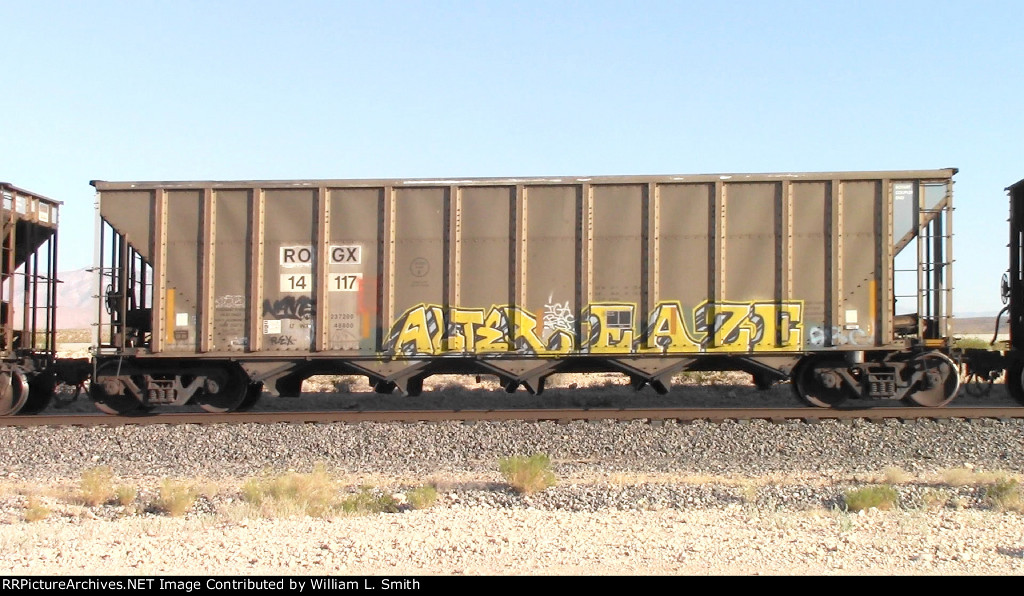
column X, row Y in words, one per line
column 559, row 415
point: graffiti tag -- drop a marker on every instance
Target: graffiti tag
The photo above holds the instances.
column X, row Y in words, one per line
column 559, row 316
column 607, row 328
column 816, row 336
column 229, row 301
column 291, row 307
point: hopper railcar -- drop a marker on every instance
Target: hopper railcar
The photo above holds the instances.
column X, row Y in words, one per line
column 28, row 290
column 212, row 290
column 989, row 365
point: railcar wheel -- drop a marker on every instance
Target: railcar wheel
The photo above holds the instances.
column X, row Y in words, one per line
column 384, row 387
column 252, row 395
column 762, row 381
column 819, row 387
column 1015, row 381
column 13, row 392
column 414, row 387
column 116, row 405
column 41, row 391
column 940, row 383
column 224, row 392
column 110, row 397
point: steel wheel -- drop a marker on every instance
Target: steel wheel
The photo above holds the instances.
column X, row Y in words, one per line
column 414, row 387
column 252, row 395
column 42, row 388
column 940, row 383
column 13, row 392
column 762, row 381
column 227, row 393
column 111, row 396
column 1015, row 381
column 384, row 387
column 811, row 387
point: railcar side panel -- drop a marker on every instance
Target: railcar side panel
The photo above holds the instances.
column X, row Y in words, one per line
column 483, row 235
column 862, row 269
column 354, row 271
column 639, row 266
column 684, row 216
column 289, row 280
column 230, row 271
column 809, row 255
column 751, row 256
column 780, row 275
column 184, row 216
column 616, row 244
column 419, row 254
column 550, row 279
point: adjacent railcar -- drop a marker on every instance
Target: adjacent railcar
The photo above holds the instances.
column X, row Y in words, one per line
column 989, row 365
column 211, row 289
column 1013, row 293
column 28, row 314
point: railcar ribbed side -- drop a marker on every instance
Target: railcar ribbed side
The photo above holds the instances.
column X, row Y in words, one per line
column 785, row 276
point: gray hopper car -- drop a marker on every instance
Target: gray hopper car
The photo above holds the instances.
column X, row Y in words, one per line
column 212, row 289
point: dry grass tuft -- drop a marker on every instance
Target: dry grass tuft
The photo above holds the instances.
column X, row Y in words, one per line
column 966, row 343
column 369, row 501
column 422, row 497
column 97, row 486
column 749, row 492
column 176, row 497
column 958, row 477
column 881, row 497
column 1005, row 495
column 286, row 495
column 935, row 499
column 35, row 511
column 125, row 495
column 969, row 477
column 527, row 474
column 74, row 336
column 896, row 475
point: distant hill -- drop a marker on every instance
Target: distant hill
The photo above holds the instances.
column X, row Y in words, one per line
column 978, row 325
column 76, row 307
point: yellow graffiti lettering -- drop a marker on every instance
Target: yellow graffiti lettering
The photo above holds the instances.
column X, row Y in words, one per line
column 782, row 326
column 462, row 326
column 750, row 326
column 492, row 336
column 666, row 331
column 414, row 335
column 609, row 328
column 524, row 331
column 731, row 329
column 559, row 342
column 435, row 326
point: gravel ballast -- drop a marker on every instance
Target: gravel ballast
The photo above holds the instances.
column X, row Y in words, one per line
column 632, row 498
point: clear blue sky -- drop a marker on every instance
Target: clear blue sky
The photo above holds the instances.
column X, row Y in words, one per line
column 255, row 90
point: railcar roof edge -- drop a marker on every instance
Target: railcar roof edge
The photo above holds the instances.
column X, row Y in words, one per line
column 10, row 187
column 622, row 179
